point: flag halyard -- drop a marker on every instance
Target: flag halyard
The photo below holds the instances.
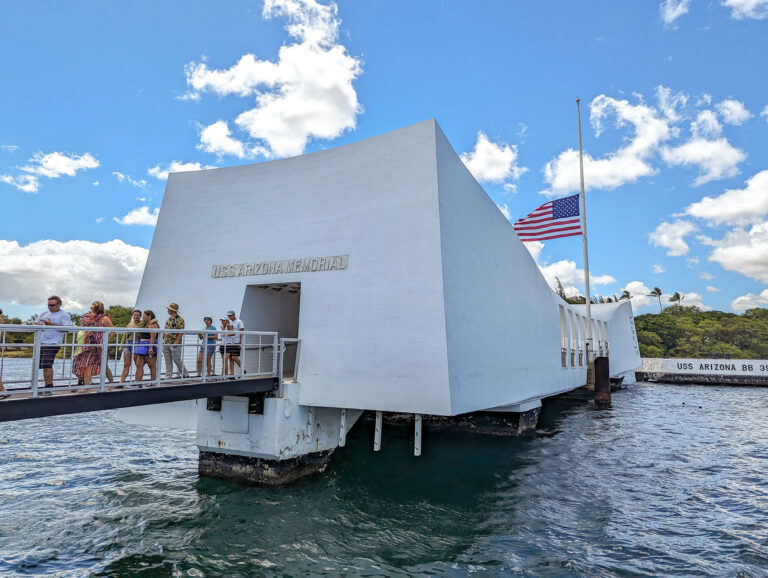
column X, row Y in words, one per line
column 552, row 220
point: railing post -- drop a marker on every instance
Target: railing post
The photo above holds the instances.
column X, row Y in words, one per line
column 204, row 366
column 159, row 349
column 35, row 363
column 296, row 362
column 281, row 356
column 2, row 356
column 275, row 344
column 104, row 358
column 243, row 348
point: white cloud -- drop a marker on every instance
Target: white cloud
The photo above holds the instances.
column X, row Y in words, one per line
column 52, row 166
column 712, row 289
column 570, row 276
column 741, row 9
column 626, row 165
column 671, row 237
column 123, row 178
column 750, row 301
column 706, row 125
column 764, row 113
column 707, row 276
column 704, row 99
column 534, row 248
column 80, row 272
column 176, row 167
column 55, row 164
column 25, row 183
column 733, row 111
column 8, row 148
column 493, row 162
column 505, row 211
column 744, row 251
column 140, row 216
column 95, row 183
column 638, row 294
column 671, row 103
column 735, row 206
column 716, row 159
column 99, row 219
column 307, row 93
column 217, row 139
column 671, row 10
column 692, row 300
column 658, row 269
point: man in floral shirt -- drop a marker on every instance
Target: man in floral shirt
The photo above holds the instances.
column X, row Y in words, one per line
column 172, row 348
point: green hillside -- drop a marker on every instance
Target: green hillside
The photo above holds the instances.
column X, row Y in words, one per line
column 688, row 332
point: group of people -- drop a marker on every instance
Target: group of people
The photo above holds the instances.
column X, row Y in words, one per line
column 140, row 348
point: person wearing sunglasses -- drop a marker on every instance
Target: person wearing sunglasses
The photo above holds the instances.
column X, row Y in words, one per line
column 50, row 340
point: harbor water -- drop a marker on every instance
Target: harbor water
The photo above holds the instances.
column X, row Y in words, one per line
column 672, row 480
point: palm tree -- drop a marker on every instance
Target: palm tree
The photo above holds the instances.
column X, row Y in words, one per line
column 677, row 298
column 657, row 293
column 625, row 295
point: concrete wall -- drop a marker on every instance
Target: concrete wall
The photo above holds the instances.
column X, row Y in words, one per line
column 374, row 333
column 441, row 309
column 502, row 324
column 624, row 351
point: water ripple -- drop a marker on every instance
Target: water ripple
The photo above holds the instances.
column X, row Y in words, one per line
column 670, row 481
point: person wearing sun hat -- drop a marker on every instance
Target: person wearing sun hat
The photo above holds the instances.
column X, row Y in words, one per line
column 172, row 346
column 231, row 341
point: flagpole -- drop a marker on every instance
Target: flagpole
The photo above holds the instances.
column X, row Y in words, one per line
column 584, row 238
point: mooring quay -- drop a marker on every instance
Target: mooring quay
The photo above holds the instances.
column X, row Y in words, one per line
column 705, row 371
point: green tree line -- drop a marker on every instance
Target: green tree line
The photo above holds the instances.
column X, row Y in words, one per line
column 680, row 331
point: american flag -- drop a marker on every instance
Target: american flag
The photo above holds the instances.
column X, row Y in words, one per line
column 552, row 220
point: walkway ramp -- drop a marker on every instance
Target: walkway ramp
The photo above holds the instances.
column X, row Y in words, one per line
column 61, row 403
column 259, row 372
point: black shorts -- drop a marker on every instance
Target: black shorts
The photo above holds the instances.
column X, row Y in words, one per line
column 47, row 355
column 232, row 349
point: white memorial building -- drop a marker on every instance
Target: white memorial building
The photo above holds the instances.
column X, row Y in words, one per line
column 408, row 288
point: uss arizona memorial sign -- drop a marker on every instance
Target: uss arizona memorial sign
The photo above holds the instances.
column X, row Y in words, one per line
column 331, row 263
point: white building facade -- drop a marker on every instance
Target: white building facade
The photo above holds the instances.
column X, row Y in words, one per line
column 409, row 289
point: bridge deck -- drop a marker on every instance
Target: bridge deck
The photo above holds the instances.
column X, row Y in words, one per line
column 63, row 401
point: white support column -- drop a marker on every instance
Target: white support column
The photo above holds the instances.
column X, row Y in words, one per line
column 417, row 435
column 310, row 421
column 158, row 367
column 377, row 433
column 104, row 359
column 343, row 429
column 35, row 363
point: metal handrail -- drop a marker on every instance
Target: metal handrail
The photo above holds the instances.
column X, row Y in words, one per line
column 254, row 345
column 284, row 342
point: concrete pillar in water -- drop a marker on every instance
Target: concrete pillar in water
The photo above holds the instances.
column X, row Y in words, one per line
column 527, row 413
column 272, row 443
column 602, row 383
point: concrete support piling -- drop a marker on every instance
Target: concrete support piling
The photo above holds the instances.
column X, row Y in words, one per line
column 377, row 431
column 602, row 383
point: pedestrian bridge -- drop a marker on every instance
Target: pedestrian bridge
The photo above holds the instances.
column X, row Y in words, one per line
column 265, row 362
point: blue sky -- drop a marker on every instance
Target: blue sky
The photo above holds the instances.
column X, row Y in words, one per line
column 99, row 100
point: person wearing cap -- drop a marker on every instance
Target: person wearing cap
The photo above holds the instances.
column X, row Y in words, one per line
column 232, row 342
column 172, row 347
